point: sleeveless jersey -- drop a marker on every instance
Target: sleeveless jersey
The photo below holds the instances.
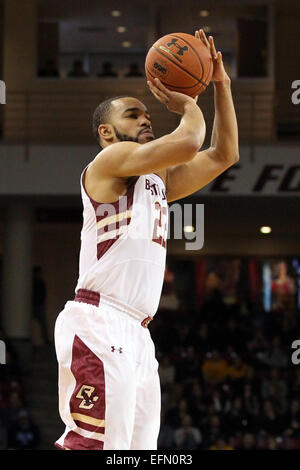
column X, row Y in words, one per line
column 123, row 244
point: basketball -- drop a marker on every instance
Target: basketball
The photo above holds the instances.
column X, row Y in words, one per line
column 181, row 62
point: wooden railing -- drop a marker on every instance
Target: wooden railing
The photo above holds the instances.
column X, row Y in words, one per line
column 56, row 115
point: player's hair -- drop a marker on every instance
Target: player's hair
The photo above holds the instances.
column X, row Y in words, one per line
column 102, row 115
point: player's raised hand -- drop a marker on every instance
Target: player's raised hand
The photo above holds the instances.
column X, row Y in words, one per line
column 173, row 100
column 219, row 72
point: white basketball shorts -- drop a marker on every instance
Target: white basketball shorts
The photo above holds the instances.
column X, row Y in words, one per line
column 109, row 390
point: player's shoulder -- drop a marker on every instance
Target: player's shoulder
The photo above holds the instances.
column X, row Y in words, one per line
column 116, row 149
column 111, row 156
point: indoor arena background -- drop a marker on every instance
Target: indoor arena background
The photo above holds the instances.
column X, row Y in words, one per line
column 228, row 323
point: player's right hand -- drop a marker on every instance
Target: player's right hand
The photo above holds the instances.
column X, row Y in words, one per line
column 174, row 101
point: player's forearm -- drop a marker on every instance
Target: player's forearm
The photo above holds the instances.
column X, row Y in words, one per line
column 225, row 130
column 192, row 124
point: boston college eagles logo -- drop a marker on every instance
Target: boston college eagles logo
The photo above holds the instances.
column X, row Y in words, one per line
column 86, row 396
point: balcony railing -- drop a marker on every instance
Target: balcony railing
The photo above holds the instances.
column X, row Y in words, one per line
column 65, row 115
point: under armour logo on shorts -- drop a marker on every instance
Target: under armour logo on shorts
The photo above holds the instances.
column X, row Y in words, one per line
column 113, row 349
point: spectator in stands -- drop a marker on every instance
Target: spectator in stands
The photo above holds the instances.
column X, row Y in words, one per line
column 278, row 388
column 211, row 432
column 237, row 369
column 24, row 434
column 107, row 70
column 257, row 342
column 166, row 371
column 189, row 365
column 77, row 70
column 270, row 421
column 11, row 413
column 166, row 434
column 254, row 418
column 134, row 71
column 182, row 331
column 283, row 289
column 213, row 309
column 236, row 418
column 200, row 339
column 4, row 398
column 176, row 393
column 197, row 402
column 186, row 436
column 175, row 414
column 294, row 386
column 250, row 400
column 292, row 420
column 221, row 444
column 3, row 436
column 275, row 356
column 168, row 298
column 39, row 296
column 49, row 70
column 248, row 442
column 252, row 379
column 234, row 335
column 214, row 368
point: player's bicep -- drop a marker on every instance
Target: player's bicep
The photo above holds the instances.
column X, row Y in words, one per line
column 125, row 159
column 184, row 180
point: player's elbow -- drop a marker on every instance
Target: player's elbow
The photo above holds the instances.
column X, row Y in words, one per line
column 234, row 157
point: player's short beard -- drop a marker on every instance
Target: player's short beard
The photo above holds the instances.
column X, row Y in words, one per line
column 125, row 137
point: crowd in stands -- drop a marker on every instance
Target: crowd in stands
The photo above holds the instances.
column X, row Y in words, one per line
column 50, row 70
column 17, row 429
column 227, row 378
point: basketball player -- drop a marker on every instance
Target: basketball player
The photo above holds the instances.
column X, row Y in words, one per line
column 109, row 391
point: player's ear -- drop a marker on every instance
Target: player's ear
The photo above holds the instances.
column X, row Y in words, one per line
column 106, row 132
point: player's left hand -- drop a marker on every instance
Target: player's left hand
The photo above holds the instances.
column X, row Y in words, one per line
column 219, row 72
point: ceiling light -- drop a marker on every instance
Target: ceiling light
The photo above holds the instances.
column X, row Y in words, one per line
column 126, row 43
column 204, row 13
column 265, row 229
column 189, row 228
column 116, row 13
column 121, row 29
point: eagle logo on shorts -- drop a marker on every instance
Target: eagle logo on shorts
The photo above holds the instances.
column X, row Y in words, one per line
column 86, row 395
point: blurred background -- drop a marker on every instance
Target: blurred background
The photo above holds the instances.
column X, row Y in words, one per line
column 229, row 312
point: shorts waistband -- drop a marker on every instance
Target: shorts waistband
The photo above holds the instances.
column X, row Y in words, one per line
column 96, row 299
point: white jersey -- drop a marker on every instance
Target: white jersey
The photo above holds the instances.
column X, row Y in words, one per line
column 123, row 244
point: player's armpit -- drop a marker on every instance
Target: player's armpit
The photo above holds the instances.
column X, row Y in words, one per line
column 184, row 180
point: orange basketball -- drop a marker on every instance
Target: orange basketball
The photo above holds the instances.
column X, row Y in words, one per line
column 181, row 62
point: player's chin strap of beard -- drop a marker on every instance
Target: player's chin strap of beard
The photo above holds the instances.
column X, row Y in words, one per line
column 125, row 137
